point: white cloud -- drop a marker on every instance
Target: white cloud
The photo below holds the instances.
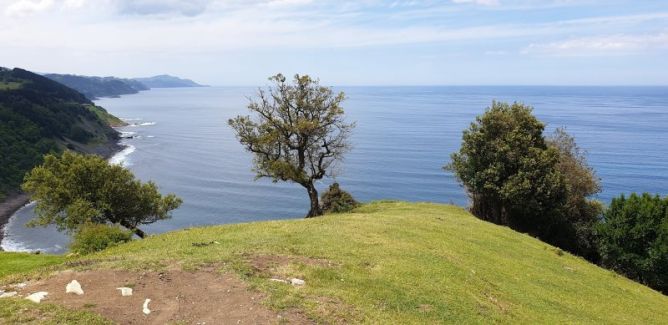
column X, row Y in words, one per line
column 479, row 2
column 26, row 7
column 601, row 45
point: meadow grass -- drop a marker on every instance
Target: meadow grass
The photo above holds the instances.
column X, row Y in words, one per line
column 397, row 262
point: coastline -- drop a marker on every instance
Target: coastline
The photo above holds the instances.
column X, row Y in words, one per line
column 15, row 201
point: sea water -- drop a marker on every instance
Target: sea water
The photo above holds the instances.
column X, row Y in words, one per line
column 179, row 138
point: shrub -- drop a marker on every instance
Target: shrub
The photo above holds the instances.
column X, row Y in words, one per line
column 96, row 237
column 336, row 200
column 633, row 239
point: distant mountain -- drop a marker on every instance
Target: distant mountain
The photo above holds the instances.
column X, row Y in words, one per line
column 39, row 116
column 95, row 87
column 167, row 81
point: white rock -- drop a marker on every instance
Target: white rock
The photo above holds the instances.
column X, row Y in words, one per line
column 74, row 287
column 20, row 285
column 297, row 282
column 37, row 296
column 125, row 291
column 8, row 294
column 146, row 310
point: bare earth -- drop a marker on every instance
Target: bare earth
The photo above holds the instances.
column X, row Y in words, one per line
column 176, row 297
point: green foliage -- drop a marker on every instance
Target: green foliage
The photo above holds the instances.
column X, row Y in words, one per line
column 96, row 237
column 336, row 200
column 298, row 135
column 634, row 239
column 21, row 311
column 576, row 221
column 509, row 170
column 39, row 117
column 93, row 87
column 75, row 189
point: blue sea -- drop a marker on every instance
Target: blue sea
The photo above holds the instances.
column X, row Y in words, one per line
column 404, row 135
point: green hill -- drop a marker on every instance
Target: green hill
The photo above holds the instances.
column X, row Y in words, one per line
column 390, row 263
column 40, row 116
column 94, row 87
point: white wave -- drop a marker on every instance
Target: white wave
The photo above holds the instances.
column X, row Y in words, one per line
column 150, row 136
column 127, row 134
column 128, row 119
column 121, row 158
column 142, row 124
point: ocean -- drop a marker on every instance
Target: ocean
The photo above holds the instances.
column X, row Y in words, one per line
column 180, row 139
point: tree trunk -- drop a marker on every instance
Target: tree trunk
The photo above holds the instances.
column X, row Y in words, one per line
column 140, row 233
column 315, row 204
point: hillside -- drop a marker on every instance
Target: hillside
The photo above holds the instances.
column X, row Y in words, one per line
column 95, row 87
column 167, row 81
column 40, row 116
column 385, row 263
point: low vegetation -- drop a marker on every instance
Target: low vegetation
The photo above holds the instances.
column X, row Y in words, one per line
column 92, row 238
column 394, row 262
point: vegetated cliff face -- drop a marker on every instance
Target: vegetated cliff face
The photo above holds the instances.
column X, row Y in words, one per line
column 167, row 81
column 94, row 87
column 40, row 116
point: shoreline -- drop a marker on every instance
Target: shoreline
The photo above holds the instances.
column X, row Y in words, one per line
column 15, row 201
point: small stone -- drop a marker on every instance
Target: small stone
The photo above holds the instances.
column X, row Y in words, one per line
column 74, row 287
column 297, row 282
column 145, row 309
column 20, row 285
column 8, row 294
column 37, row 296
column 126, row 292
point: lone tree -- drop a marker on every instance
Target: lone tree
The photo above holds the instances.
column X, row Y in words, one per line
column 74, row 190
column 298, row 133
column 509, row 170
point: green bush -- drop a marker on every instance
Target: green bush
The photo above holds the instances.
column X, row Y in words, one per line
column 336, row 200
column 633, row 239
column 96, row 237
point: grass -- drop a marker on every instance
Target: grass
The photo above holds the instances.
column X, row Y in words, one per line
column 19, row 311
column 18, row 263
column 10, row 85
column 396, row 262
column 101, row 113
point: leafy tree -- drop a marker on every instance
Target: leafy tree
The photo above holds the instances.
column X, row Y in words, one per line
column 96, row 237
column 336, row 200
column 74, row 189
column 634, row 239
column 509, row 170
column 298, row 134
column 579, row 215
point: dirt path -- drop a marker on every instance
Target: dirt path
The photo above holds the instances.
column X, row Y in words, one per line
column 176, row 297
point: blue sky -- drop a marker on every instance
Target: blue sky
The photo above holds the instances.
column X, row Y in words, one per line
column 367, row 42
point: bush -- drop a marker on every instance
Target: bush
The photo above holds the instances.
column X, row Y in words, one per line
column 336, row 200
column 633, row 239
column 96, row 237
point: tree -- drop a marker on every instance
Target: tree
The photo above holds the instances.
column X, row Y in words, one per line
column 509, row 171
column 580, row 214
column 336, row 200
column 298, row 135
column 634, row 239
column 74, row 189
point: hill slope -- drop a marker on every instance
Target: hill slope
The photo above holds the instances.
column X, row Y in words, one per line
column 167, row 81
column 394, row 262
column 40, row 116
column 94, row 87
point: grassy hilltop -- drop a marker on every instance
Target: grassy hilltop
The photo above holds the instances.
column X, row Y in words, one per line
column 388, row 262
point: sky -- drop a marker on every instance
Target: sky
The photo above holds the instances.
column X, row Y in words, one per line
column 341, row 42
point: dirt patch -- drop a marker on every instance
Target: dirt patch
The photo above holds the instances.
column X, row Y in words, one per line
column 176, row 297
